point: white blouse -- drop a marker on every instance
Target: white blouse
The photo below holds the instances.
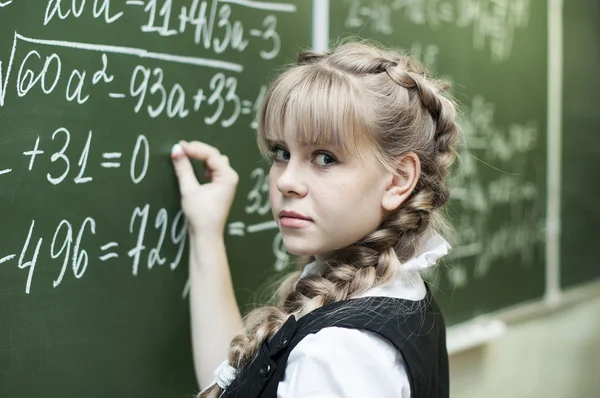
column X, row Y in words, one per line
column 341, row 362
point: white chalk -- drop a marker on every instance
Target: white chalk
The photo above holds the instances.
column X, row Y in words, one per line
column 177, row 149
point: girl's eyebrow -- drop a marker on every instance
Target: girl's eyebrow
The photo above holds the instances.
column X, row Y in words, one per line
column 325, row 145
column 274, row 143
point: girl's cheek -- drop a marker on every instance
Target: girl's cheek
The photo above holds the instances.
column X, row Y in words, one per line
column 273, row 190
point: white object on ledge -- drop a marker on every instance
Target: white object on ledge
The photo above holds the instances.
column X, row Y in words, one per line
column 471, row 335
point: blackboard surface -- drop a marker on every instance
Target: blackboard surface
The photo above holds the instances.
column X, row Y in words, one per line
column 93, row 266
column 580, row 214
column 93, row 94
column 496, row 55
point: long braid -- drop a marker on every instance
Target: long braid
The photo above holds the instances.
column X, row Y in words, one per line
column 429, row 117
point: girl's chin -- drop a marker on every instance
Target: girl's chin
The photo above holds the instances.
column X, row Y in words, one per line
column 305, row 250
column 298, row 249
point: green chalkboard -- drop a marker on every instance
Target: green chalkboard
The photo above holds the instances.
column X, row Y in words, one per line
column 580, row 214
column 495, row 55
column 93, row 263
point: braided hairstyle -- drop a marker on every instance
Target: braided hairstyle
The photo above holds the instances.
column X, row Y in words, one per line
column 354, row 95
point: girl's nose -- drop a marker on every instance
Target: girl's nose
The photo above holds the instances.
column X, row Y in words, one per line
column 290, row 182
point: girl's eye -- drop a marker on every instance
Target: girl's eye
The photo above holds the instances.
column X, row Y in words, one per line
column 325, row 159
column 281, row 155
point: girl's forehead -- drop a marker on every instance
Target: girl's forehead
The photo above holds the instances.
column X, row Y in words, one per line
column 313, row 106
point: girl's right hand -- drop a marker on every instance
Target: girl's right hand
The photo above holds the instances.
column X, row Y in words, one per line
column 206, row 206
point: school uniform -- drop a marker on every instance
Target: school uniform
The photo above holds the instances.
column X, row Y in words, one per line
column 388, row 342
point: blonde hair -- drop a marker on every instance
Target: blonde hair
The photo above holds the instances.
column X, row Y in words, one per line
column 357, row 96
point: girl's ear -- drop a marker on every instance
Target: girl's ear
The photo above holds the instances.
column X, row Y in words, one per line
column 408, row 170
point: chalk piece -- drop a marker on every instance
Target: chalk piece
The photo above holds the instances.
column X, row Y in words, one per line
column 176, row 150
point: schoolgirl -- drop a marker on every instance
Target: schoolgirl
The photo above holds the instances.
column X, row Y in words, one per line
column 361, row 140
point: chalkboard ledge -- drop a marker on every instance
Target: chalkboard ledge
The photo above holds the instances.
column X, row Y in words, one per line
column 483, row 330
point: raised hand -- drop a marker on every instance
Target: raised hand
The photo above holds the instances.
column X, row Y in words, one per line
column 205, row 205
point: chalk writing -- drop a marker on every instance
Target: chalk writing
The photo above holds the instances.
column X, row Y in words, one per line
column 503, row 150
column 494, row 23
column 57, row 147
column 76, row 75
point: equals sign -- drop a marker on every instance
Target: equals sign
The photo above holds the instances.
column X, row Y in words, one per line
column 246, row 107
column 237, row 229
column 111, row 155
column 110, row 255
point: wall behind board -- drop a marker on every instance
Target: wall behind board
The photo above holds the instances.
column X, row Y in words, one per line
column 554, row 355
column 93, row 264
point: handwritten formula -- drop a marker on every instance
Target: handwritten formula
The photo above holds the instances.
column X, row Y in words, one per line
column 492, row 23
column 92, row 114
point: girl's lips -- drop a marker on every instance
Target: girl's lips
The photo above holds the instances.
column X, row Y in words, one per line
column 293, row 214
column 294, row 222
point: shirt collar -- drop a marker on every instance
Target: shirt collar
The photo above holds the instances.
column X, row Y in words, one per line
column 407, row 275
column 432, row 249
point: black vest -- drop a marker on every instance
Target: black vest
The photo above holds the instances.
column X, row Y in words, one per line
column 415, row 328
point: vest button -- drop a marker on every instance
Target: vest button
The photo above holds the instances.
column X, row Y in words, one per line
column 264, row 370
column 283, row 343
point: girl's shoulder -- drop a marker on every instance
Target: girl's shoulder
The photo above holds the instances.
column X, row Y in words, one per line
column 395, row 338
column 334, row 342
column 372, row 312
column 345, row 362
column 383, row 324
column 341, row 356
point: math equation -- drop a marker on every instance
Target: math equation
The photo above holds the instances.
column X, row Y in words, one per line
column 92, row 96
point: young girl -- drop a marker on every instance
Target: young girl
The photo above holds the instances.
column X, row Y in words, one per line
column 361, row 140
